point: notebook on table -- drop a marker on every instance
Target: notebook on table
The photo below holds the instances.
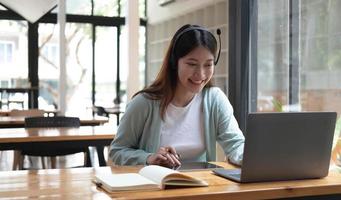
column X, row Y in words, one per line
column 150, row 177
column 285, row 146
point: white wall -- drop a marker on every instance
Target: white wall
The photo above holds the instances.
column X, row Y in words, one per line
column 156, row 13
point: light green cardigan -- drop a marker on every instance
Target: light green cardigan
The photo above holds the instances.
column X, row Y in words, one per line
column 138, row 134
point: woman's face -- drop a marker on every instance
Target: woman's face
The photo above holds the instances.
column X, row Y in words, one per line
column 195, row 70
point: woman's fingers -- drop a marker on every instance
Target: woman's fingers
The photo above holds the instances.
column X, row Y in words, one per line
column 175, row 161
column 165, row 156
column 173, row 151
column 156, row 159
column 170, row 159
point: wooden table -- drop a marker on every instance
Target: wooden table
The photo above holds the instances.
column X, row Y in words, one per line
column 18, row 122
column 4, row 113
column 50, row 138
column 76, row 184
column 50, row 113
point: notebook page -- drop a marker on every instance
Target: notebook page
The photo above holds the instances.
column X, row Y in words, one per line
column 156, row 173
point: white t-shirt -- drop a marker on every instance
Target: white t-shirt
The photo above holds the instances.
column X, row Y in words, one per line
column 183, row 129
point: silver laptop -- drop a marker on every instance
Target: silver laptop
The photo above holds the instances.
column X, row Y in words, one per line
column 285, row 146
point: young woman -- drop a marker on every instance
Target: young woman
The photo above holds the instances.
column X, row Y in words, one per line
column 180, row 116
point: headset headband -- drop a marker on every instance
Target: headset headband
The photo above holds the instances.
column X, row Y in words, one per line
column 202, row 29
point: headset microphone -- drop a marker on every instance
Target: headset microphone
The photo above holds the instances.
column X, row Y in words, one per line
column 218, row 33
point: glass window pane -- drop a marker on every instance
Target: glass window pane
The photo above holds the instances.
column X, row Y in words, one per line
column 123, row 4
column 48, row 69
column 13, row 54
column 106, row 8
column 320, row 55
column 2, row 53
column 79, row 69
column 9, row 52
column 142, row 9
column 76, row 7
column 272, row 55
column 105, row 65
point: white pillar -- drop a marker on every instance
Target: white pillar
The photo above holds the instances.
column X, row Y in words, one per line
column 133, row 23
column 62, row 63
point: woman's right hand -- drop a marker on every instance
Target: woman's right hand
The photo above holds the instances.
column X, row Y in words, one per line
column 165, row 156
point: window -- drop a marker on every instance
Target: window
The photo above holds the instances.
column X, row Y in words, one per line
column 106, row 65
column 50, row 53
column 13, row 53
column 6, row 52
column 298, row 56
column 48, row 69
column 320, row 55
column 85, row 56
column 79, row 68
column 272, row 57
column 106, row 8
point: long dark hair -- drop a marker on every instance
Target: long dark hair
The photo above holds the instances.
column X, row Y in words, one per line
column 182, row 43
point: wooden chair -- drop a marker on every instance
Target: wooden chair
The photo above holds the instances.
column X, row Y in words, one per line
column 100, row 111
column 23, row 113
column 59, row 121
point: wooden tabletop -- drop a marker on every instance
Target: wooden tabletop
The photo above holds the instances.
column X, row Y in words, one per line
column 45, row 139
column 77, row 184
column 17, row 135
column 17, row 122
column 5, row 113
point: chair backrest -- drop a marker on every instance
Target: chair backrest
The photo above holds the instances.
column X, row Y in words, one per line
column 27, row 113
column 101, row 111
column 58, row 121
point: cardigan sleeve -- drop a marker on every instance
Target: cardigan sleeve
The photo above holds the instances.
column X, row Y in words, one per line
column 124, row 149
column 229, row 135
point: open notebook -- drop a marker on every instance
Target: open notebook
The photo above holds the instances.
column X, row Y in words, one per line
column 151, row 177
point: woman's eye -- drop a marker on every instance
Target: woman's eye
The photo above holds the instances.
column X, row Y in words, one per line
column 192, row 64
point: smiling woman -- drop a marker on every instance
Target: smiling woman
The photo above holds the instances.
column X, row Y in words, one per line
column 180, row 113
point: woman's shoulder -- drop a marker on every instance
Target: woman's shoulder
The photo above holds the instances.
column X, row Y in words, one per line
column 141, row 100
column 214, row 92
column 216, row 98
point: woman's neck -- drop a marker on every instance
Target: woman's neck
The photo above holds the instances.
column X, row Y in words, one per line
column 182, row 99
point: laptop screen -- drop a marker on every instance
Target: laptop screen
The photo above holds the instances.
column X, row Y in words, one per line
column 286, row 146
